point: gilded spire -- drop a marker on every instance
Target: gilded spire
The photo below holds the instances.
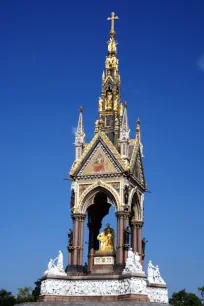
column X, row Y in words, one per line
column 109, row 107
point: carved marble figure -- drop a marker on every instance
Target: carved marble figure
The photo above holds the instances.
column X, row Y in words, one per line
column 154, row 276
column 157, row 276
column 150, row 272
column 133, row 264
column 56, row 269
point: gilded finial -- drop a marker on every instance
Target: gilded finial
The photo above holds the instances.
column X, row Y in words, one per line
column 112, row 19
column 81, row 109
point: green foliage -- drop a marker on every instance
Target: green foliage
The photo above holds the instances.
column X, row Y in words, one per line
column 201, row 290
column 183, row 298
column 6, row 298
column 24, row 295
column 36, row 291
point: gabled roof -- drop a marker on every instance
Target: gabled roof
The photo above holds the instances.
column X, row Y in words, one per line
column 136, row 159
column 111, row 149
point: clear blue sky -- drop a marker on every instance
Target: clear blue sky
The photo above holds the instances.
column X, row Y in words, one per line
column 51, row 60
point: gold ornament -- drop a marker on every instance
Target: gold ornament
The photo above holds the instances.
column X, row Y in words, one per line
column 108, row 100
column 100, row 104
column 112, row 19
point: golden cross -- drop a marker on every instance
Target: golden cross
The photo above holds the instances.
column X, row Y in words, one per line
column 112, row 18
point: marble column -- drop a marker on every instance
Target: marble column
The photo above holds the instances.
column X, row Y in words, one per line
column 81, row 239
column 134, row 235
column 91, row 246
column 139, row 238
column 120, row 238
column 76, row 247
column 69, row 258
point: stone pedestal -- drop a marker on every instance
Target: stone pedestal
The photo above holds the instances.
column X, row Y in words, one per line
column 103, row 263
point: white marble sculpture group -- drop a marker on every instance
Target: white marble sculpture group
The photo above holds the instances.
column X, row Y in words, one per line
column 133, row 264
column 153, row 274
column 134, row 282
column 56, row 269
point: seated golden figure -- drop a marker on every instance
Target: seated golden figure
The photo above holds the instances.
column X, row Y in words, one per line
column 107, row 239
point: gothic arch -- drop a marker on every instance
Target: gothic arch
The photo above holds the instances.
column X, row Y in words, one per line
column 136, row 204
column 86, row 198
column 132, row 193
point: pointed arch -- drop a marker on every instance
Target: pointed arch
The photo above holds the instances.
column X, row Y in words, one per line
column 136, row 204
column 88, row 195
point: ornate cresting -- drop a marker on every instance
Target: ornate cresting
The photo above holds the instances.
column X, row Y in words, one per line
column 109, row 107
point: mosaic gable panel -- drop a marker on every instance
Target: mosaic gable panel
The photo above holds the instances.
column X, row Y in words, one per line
column 99, row 163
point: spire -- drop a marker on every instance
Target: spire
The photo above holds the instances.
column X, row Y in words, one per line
column 124, row 135
column 79, row 136
column 138, row 136
column 124, row 129
column 109, row 107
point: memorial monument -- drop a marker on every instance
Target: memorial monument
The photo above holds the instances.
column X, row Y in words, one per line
column 107, row 171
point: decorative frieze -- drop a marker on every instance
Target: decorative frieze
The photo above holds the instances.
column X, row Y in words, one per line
column 117, row 287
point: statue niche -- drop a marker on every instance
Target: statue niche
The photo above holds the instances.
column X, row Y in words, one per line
column 107, row 239
column 109, row 100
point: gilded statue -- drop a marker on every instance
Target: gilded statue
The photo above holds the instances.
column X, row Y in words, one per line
column 108, row 62
column 112, row 45
column 100, row 104
column 107, row 239
column 116, row 103
column 108, row 100
column 112, row 62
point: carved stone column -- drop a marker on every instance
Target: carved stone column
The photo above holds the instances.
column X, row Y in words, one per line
column 91, row 251
column 69, row 257
column 139, row 225
column 134, row 235
column 120, row 241
column 81, row 239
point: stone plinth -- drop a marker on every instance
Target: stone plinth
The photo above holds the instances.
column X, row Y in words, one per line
column 103, row 263
column 101, row 288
